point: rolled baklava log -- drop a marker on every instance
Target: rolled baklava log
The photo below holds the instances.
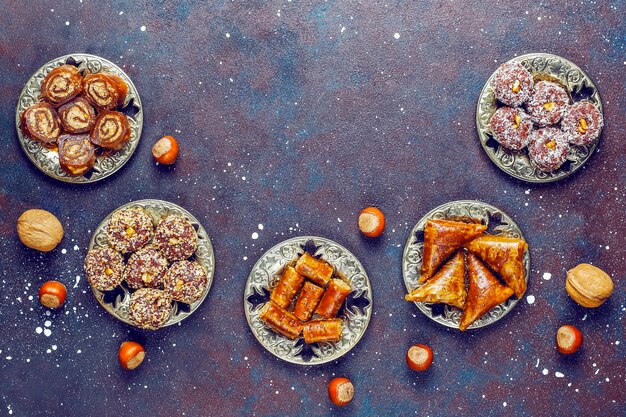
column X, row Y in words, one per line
column 111, row 130
column 41, row 122
column 77, row 116
column 105, row 90
column 76, row 154
column 61, row 85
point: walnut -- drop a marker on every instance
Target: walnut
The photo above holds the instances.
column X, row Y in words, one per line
column 588, row 285
column 39, row 229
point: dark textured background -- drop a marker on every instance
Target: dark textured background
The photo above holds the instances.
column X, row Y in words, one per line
column 296, row 116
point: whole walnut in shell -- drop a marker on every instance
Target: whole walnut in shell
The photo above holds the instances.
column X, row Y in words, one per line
column 588, row 285
column 39, row 229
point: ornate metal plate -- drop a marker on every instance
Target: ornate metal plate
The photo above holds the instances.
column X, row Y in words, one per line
column 355, row 312
column 542, row 66
column 117, row 301
column 47, row 160
column 498, row 223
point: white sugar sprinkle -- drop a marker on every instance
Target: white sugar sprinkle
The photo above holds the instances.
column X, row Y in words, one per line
column 38, row 330
column 63, row 251
column 260, row 226
column 47, row 332
column 255, row 235
column 547, row 276
column 530, row 299
column 396, row 35
column 143, row 28
column 48, row 323
column 558, row 375
column 545, row 371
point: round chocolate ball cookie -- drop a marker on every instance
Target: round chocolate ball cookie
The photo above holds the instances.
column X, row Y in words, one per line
column 512, row 84
column 547, row 104
column 548, row 148
column 129, row 229
column 582, row 123
column 185, row 281
column 145, row 268
column 104, row 268
column 149, row 308
column 176, row 237
column 511, row 127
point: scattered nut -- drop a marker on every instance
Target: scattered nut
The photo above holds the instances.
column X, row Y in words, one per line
column 371, row 221
column 340, row 391
column 568, row 339
column 588, row 285
column 517, row 120
column 419, row 357
column 130, row 355
column 52, row 294
column 582, row 126
column 549, row 105
column 516, row 86
column 551, row 144
column 165, row 150
column 130, row 231
column 39, row 229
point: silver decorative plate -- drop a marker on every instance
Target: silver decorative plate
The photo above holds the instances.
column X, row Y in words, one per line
column 498, row 223
column 117, row 301
column 47, row 160
column 516, row 163
column 355, row 312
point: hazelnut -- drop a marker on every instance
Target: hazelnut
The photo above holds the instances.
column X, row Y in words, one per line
column 516, row 86
column 130, row 355
column 517, row 120
column 588, row 285
column 551, row 144
column 39, row 229
column 52, row 294
column 165, row 150
column 582, row 126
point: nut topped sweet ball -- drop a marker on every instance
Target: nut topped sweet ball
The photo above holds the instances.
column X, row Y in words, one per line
column 176, row 237
column 185, row 281
column 129, row 229
column 547, row 104
column 548, row 148
column 145, row 268
column 104, row 268
column 512, row 84
column 582, row 122
column 149, row 308
column 511, row 127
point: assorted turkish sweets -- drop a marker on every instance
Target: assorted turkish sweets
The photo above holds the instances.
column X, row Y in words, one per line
column 455, row 249
column 313, row 289
column 153, row 261
column 77, row 115
column 549, row 125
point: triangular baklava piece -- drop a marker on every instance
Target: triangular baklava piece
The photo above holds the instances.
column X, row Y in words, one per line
column 441, row 239
column 504, row 255
column 447, row 286
column 484, row 292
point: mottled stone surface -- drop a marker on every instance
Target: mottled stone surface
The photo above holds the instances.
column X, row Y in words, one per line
column 296, row 116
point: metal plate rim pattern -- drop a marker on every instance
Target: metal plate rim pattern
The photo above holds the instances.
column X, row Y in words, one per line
column 517, row 163
column 262, row 278
column 413, row 250
column 204, row 255
column 46, row 160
